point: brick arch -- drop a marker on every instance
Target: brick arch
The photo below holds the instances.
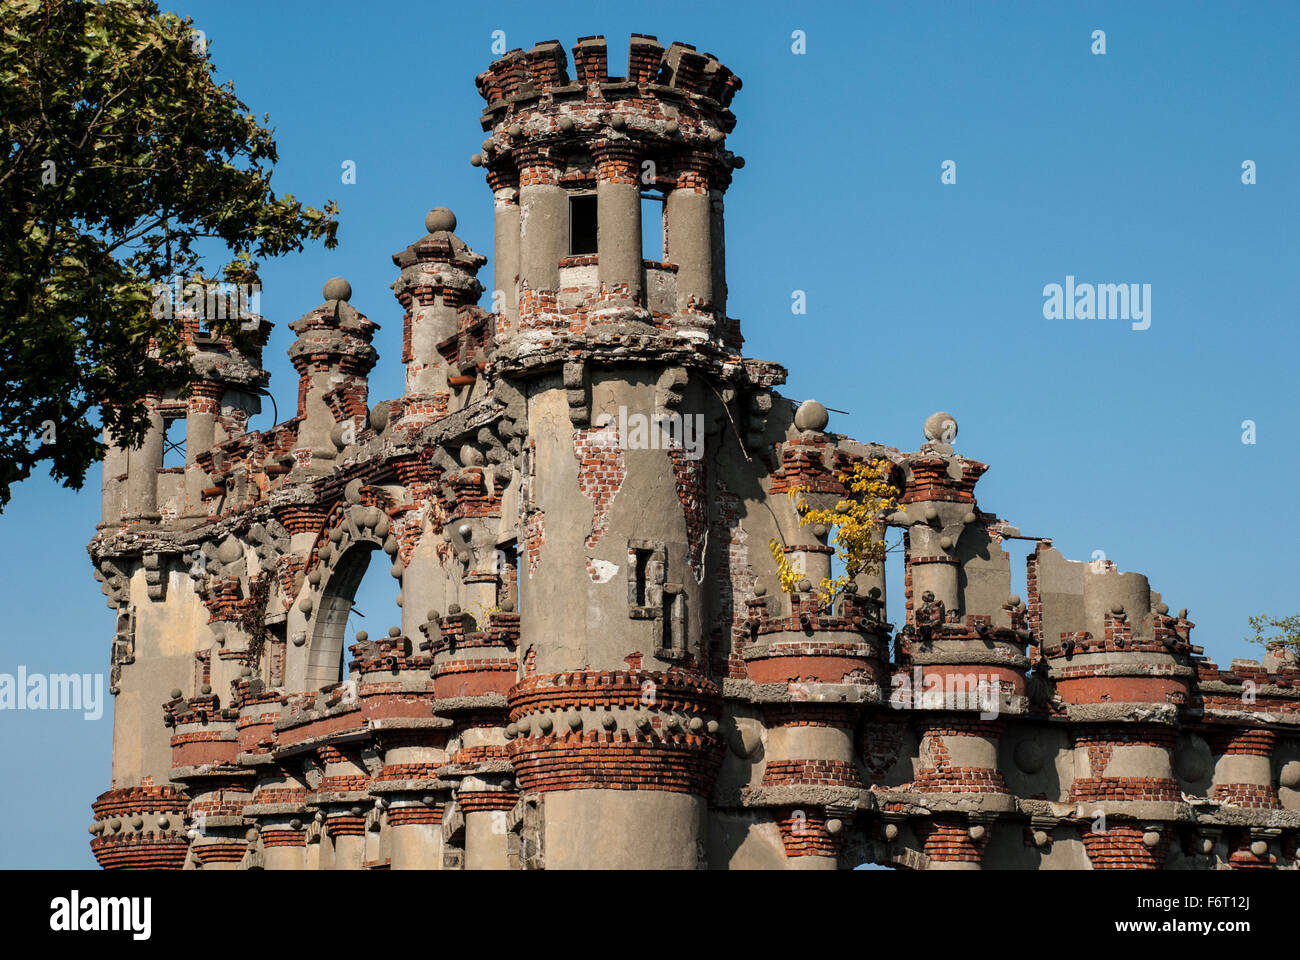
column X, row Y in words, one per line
column 330, row 620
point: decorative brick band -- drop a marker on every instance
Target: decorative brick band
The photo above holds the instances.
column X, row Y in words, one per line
column 674, row 690
column 804, row 833
column 145, row 851
column 346, row 826
column 839, row 773
column 476, row 801
column 948, row 840
column 1100, row 789
column 230, row 852
column 601, row 761
column 145, row 798
column 414, row 814
column 1122, row 848
column 283, row 838
column 1257, row 795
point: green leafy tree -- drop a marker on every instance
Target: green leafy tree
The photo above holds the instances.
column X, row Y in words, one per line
column 120, row 156
column 1288, row 631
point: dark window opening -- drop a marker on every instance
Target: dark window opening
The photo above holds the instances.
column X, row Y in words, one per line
column 642, row 560
column 582, row 225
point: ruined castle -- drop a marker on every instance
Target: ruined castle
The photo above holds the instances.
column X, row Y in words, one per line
column 596, row 662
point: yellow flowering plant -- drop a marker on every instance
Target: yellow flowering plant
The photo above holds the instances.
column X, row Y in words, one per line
column 856, row 521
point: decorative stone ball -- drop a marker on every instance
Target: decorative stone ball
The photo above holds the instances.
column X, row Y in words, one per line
column 115, row 825
column 927, row 597
column 696, row 724
column 760, row 590
column 164, row 823
column 940, row 427
column 968, row 517
column 305, row 604
column 819, row 530
column 834, row 826
column 931, row 514
column 400, row 600
column 712, row 728
column 1207, row 846
column 336, row 534
column 355, row 811
column 507, row 605
column 362, row 636
column 176, row 693
column 608, row 721
column 352, row 492
column 453, row 610
column 510, row 731
column 379, row 416
column 1151, row 838
column 714, row 135
column 429, row 800
column 314, row 578
column 96, row 828
column 336, row 288
column 546, row 724
column 471, row 456
column 811, row 415
column 251, row 835
column 1289, row 775
column 1040, row 838
column 1162, row 608
column 891, row 831
column 575, row 722
column 670, row 127
column 137, row 822
column 1182, row 614
column 433, row 616
column 566, row 124
column 476, row 160
column 440, row 220
column 246, row 672
column 805, row 585
column 465, row 531
column 976, row 832
column 945, row 543
column 205, row 689
column 230, row 550
column 1029, row 756
column 397, row 570
column 1013, row 600
column 515, row 130
column 1259, row 848
column 643, row 725
column 1117, row 610
column 618, row 121
column 394, row 631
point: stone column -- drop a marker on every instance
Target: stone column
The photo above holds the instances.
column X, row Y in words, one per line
column 688, row 218
column 543, row 235
column 143, row 464
column 618, row 213
column 505, row 252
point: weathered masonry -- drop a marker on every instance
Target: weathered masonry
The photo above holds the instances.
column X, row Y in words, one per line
column 596, row 664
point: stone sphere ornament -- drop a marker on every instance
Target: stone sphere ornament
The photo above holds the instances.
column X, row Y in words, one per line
column 811, row 415
column 940, row 427
column 336, row 288
column 440, row 220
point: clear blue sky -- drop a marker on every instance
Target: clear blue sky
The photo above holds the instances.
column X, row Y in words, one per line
column 1117, row 168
